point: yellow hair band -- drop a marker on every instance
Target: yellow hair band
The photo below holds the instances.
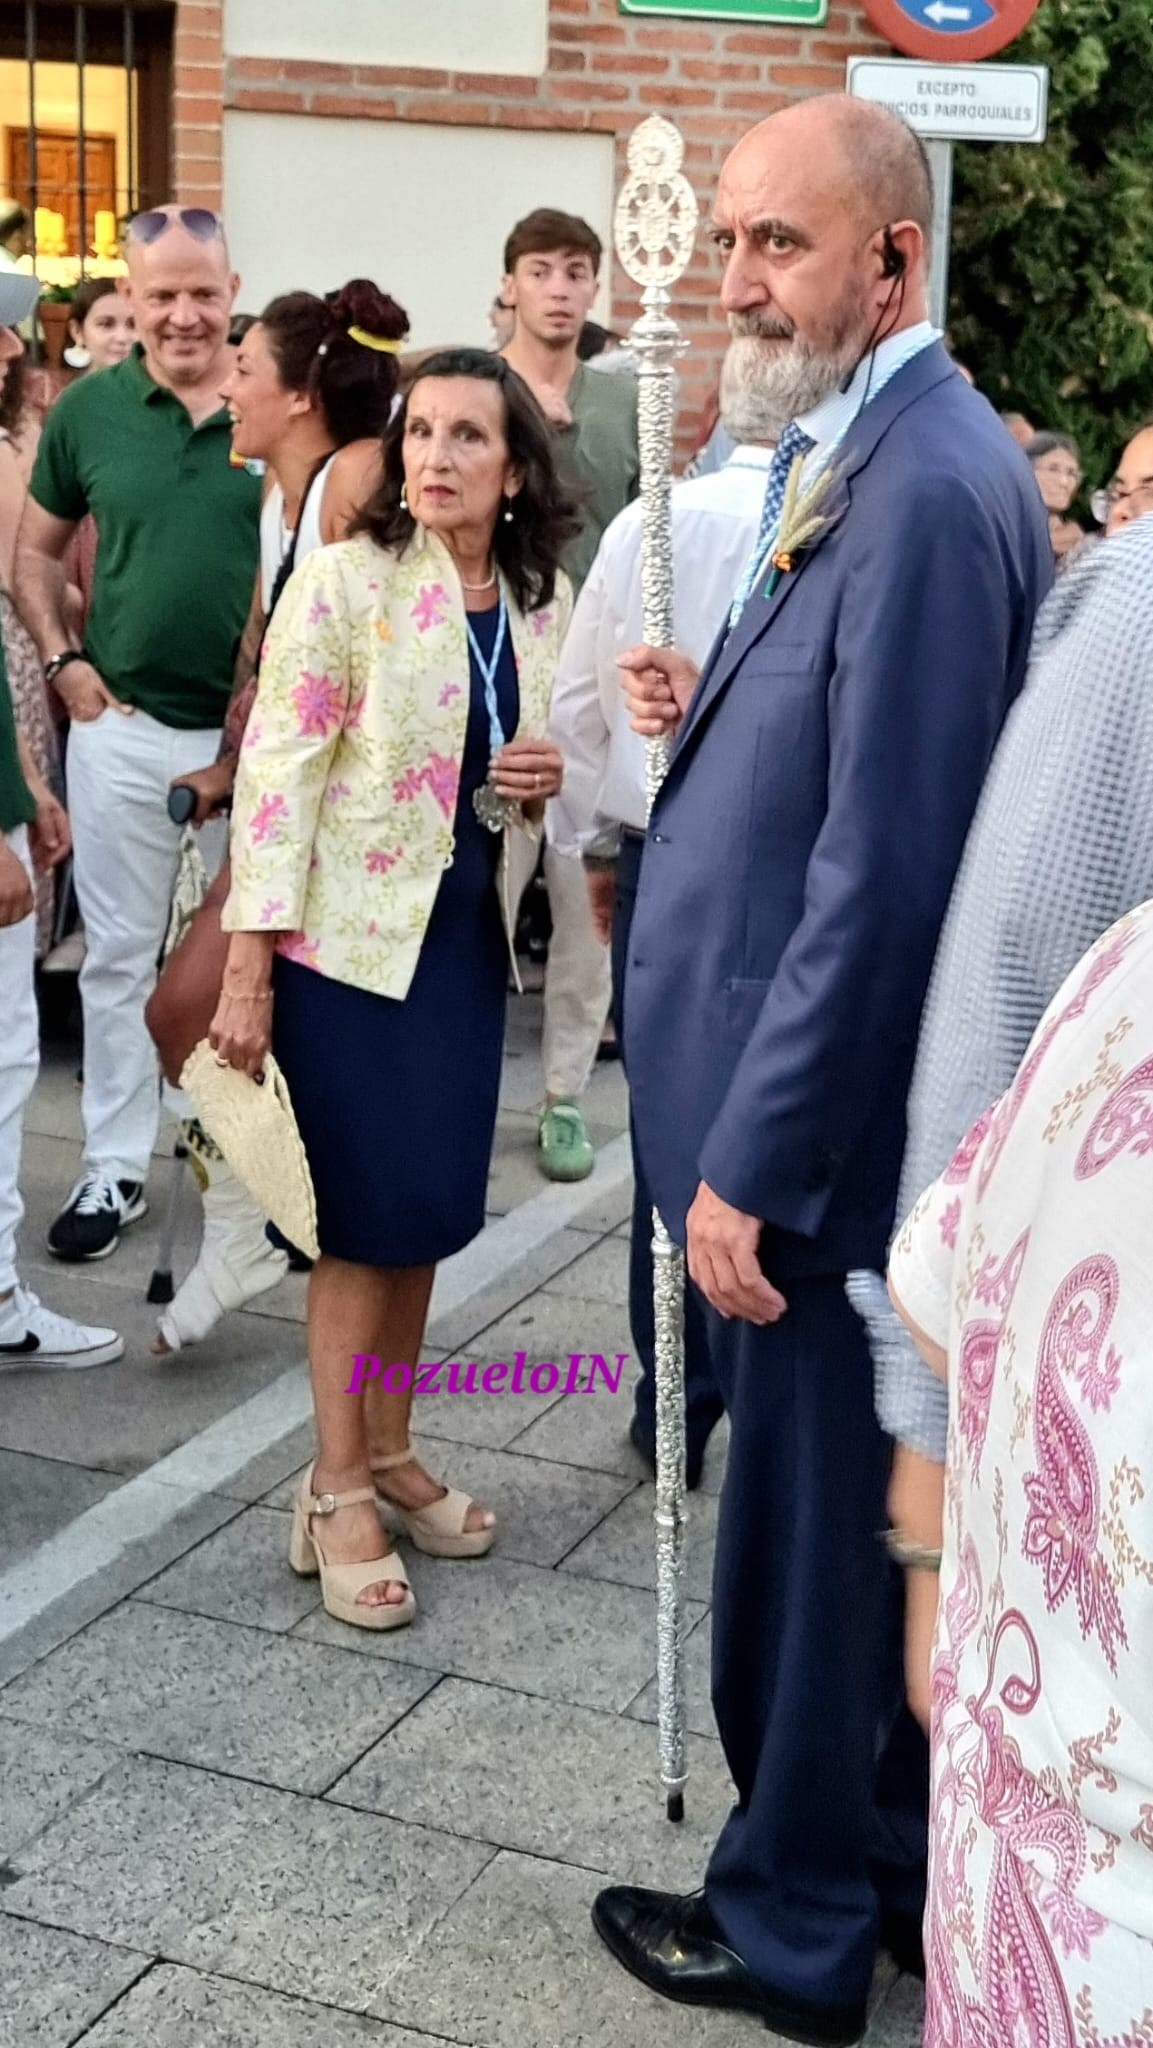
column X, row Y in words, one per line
column 374, row 341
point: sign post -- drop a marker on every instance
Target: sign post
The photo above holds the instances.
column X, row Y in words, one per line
column 940, row 156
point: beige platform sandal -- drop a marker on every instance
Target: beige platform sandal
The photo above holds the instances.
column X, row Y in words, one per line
column 340, row 1583
column 438, row 1529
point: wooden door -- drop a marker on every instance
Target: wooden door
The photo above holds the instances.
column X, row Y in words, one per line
column 58, row 179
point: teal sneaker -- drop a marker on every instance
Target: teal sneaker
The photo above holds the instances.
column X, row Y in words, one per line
column 566, row 1151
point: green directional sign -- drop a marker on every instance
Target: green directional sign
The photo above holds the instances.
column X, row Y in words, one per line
column 801, row 13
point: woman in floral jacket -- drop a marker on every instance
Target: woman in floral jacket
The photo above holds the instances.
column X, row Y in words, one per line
column 388, row 805
column 1026, row 1273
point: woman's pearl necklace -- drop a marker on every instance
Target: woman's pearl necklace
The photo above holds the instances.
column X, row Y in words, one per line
column 486, row 585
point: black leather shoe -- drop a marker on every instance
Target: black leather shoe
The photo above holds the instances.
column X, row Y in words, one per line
column 645, row 1448
column 675, row 1947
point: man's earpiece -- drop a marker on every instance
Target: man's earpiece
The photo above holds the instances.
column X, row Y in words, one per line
column 894, row 262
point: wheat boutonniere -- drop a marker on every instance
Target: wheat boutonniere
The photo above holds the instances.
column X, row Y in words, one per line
column 803, row 519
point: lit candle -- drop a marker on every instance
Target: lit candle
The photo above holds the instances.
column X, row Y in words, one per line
column 106, row 240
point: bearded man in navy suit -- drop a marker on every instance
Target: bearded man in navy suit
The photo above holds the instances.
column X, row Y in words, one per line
column 796, row 872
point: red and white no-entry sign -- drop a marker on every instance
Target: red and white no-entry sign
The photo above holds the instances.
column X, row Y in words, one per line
column 952, row 31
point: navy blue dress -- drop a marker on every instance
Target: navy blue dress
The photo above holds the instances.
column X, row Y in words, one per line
column 399, row 1129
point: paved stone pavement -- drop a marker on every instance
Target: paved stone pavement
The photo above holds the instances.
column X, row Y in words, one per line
column 225, row 1819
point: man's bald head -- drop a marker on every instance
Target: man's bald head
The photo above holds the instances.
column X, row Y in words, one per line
column 823, row 214
column 879, row 167
column 140, row 249
column 182, row 291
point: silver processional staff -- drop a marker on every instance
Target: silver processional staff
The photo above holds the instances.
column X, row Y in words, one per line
column 655, row 229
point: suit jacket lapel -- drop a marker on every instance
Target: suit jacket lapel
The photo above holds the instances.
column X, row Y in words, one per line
column 867, row 431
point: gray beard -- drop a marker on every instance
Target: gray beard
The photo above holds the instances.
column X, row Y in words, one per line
column 790, row 380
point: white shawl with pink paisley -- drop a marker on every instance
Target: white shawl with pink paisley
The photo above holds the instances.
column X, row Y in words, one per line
column 1031, row 1263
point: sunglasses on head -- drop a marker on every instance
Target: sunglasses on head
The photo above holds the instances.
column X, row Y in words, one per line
column 197, row 221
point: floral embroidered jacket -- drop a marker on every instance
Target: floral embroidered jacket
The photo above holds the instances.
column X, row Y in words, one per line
column 342, row 821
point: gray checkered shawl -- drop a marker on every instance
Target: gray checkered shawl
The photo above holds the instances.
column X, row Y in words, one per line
column 1061, row 846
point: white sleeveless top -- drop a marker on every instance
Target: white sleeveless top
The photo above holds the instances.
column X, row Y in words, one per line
column 276, row 538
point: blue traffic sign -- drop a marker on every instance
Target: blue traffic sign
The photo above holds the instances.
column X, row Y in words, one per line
column 949, row 17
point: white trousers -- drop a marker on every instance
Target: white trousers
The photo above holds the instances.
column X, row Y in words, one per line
column 577, row 984
column 125, row 854
column 19, row 1063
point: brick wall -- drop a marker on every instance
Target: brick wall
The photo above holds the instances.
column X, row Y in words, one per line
column 605, row 71
column 197, row 95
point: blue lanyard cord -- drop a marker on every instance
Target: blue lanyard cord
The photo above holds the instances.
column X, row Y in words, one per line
column 488, row 670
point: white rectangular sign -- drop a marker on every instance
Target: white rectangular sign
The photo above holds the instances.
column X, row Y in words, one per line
column 957, row 102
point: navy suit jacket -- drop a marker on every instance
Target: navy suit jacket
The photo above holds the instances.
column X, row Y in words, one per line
column 802, row 850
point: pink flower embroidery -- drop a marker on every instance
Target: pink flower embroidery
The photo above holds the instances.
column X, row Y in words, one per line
column 295, row 946
column 336, row 790
column 950, row 1218
column 378, row 862
column 440, row 774
column 318, row 611
column 318, row 705
column 449, row 691
column 267, row 819
column 443, row 778
column 431, row 607
column 275, row 908
column 541, row 621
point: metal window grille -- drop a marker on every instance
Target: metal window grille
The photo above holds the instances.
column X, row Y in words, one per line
column 90, row 170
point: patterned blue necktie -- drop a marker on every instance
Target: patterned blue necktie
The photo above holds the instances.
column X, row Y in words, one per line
column 793, row 442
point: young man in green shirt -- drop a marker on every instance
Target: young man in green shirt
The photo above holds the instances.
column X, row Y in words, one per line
column 552, row 266
column 145, row 447
column 32, row 827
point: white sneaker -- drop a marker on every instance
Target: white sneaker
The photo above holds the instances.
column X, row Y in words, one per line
column 33, row 1338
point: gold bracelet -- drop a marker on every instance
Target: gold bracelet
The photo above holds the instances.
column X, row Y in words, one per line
column 912, row 1557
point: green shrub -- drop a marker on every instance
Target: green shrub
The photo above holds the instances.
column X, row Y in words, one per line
column 1051, row 299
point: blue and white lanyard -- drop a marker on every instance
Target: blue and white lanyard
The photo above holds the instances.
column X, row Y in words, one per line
column 488, row 670
column 819, row 459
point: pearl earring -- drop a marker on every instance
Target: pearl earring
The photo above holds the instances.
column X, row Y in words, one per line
column 508, row 511
column 404, row 497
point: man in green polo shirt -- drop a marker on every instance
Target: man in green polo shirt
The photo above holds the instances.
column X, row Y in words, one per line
column 552, row 264
column 144, row 447
column 32, row 827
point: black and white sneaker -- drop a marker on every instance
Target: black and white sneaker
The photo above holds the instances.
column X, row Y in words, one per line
column 33, row 1338
column 97, row 1210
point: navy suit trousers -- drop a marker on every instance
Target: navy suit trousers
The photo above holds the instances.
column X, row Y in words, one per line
column 703, row 1404
column 830, row 1769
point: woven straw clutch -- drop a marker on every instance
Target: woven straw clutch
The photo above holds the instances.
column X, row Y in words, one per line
column 253, row 1124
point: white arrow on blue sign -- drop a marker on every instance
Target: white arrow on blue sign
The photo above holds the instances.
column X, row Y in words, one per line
column 949, row 17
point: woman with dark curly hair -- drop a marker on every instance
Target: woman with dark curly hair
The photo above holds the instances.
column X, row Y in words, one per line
column 388, row 803
column 311, row 395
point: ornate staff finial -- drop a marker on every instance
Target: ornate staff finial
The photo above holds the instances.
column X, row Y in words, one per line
column 656, row 216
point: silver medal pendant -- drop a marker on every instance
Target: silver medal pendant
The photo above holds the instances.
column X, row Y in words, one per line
column 493, row 810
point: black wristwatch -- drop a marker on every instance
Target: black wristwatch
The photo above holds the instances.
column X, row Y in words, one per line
column 59, row 661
